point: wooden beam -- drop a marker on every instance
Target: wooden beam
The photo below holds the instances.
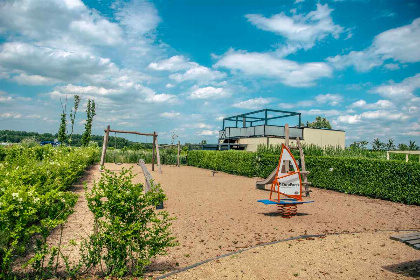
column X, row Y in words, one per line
column 158, row 156
column 153, row 151
column 132, row 132
column 104, row 145
column 286, row 140
column 179, row 154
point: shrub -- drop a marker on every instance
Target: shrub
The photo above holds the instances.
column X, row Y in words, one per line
column 391, row 180
column 128, row 231
column 34, row 196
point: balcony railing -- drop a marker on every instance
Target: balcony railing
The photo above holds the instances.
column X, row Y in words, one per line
column 259, row 131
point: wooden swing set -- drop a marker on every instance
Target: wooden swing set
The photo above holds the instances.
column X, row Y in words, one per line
column 155, row 146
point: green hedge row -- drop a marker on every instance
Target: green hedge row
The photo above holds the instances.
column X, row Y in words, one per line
column 391, row 180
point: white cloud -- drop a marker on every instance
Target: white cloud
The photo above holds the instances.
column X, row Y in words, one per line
column 392, row 66
column 207, row 132
column 266, row 65
column 331, row 99
column 300, row 29
column 198, row 73
column 34, row 80
column 380, row 104
column 138, row 17
column 170, row 115
column 163, row 98
column 209, row 93
column 383, row 115
column 399, row 91
column 5, row 99
column 169, row 85
column 63, row 24
column 318, row 112
column 10, row 115
column 399, row 44
column 255, row 103
column 173, row 64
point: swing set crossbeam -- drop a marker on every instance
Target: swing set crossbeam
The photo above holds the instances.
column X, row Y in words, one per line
column 131, row 132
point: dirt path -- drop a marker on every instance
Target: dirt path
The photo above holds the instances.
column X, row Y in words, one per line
column 220, row 214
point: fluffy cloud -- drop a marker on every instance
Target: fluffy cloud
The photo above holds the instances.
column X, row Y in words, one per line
column 300, row 29
column 255, row 103
column 60, row 23
column 373, row 115
column 198, row 73
column 173, row 64
column 380, row 104
column 61, row 66
column 170, row 115
column 138, row 17
column 318, row 112
column 399, row 44
column 267, row 65
column 207, row 132
column 399, row 91
column 331, row 99
column 209, row 93
column 193, row 71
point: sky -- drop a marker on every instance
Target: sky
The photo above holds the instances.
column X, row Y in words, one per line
column 179, row 67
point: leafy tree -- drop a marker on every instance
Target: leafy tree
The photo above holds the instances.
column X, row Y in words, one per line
column 402, row 147
column 73, row 115
column 359, row 145
column 62, row 130
column 412, row 146
column 90, row 113
column 203, row 142
column 390, row 145
column 320, row 122
column 377, row 145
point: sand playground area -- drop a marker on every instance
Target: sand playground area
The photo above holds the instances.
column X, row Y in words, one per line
column 218, row 216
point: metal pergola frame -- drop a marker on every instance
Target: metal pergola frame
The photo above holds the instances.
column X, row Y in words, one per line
column 265, row 119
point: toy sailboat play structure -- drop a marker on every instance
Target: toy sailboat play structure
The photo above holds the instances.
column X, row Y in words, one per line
column 287, row 183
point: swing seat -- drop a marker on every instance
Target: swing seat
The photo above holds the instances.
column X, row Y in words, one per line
column 283, row 201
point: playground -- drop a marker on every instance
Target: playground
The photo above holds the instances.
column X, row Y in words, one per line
column 219, row 214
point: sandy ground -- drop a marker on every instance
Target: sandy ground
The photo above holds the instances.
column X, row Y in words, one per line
column 348, row 256
column 220, row 214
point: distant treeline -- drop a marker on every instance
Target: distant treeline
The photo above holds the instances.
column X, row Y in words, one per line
column 11, row 136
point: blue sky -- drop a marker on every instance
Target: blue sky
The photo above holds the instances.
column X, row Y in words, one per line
column 181, row 66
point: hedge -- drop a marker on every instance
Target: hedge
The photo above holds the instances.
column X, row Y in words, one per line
column 391, row 180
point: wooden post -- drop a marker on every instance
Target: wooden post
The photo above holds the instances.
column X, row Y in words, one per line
column 286, row 142
column 387, row 155
column 406, row 157
column 153, row 151
column 104, row 145
column 179, row 152
column 158, row 156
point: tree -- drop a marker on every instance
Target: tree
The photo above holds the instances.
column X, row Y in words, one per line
column 203, row 142
column 377, row 145
column 412, row 146
column 390, row 145
column 90, row 113
column 359, row 145
column 62, row 130
column 402, row 147
column 73, row 115
column 320, row 122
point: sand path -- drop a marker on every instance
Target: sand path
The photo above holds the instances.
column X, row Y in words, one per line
column 219, row 214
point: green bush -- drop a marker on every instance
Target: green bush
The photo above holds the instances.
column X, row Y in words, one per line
column 391, row 180
column 128, row 229
column 34, row 196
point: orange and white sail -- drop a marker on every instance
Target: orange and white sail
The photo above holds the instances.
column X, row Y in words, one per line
column 288, row 181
